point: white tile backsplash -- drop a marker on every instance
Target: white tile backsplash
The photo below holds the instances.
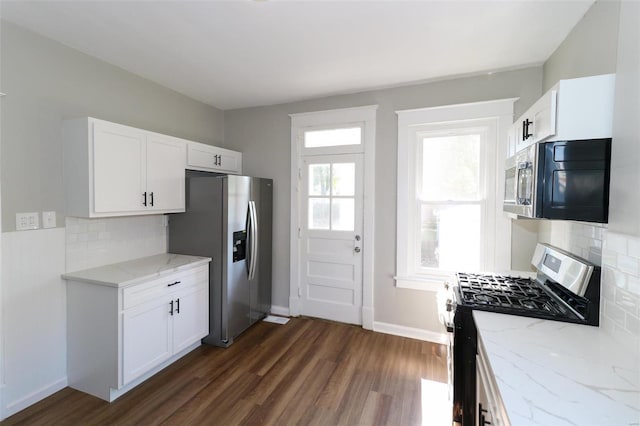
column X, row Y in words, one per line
column 96, row 242
column 619, row 256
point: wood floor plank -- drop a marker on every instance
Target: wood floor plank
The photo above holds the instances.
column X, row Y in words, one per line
column 307, row 372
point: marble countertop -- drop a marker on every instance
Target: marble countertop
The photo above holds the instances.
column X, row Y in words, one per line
column 134, row 271
column 555, row 373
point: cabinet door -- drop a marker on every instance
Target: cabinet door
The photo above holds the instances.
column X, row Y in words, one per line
column 166, row 159
column 211, row 158
column 146, row 338
column 544, row 117
column 191, row 319
column 118, row 168
column 229, row 161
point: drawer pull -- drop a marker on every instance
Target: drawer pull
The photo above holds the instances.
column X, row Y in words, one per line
column 173, row 283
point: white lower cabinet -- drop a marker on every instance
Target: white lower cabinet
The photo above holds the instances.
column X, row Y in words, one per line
column 118, row 337
column 489, row 409
column 146, row 338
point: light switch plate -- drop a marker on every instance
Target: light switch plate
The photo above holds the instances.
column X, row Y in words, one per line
column 48, row 219
column 26, row 221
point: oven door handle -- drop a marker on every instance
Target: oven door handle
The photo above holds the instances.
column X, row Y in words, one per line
column 524, row 199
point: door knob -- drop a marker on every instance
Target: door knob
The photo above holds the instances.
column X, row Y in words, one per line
column 357, row 249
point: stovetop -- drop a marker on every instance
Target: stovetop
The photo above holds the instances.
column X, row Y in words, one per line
column 511, row 295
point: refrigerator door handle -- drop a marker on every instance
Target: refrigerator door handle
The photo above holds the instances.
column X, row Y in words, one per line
column 254, row 239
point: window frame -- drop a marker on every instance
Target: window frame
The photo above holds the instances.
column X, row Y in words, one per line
column 413, row 123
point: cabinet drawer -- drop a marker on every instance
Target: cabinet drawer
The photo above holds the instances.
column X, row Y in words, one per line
column 145, row 292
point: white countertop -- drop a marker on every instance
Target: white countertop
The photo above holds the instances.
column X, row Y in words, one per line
column 556, row 373
column 134, row 271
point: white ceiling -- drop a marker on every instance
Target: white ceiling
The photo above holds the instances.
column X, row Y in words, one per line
column 234, row 54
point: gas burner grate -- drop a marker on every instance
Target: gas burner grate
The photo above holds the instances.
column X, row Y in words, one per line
column 506, row 293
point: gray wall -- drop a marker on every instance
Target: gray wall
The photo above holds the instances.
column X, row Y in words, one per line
column 263, row 135
column 589, row 49
column 625, row 151
column 46, row 82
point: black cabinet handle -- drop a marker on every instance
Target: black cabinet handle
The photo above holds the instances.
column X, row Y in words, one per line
column 178, row 306
column 215, row 160
column 481, row 412
column 144, row 203
column 171, row 310
column 525, row 128
column 151, row 194
column 173, row 283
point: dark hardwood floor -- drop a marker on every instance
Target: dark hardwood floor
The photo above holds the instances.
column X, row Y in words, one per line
column 308, row 371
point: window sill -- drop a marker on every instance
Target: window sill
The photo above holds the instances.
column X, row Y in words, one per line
column 424, row 282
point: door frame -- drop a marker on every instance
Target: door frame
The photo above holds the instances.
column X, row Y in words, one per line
column 366, row 115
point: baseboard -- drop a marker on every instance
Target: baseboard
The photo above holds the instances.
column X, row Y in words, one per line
column 279, row 310
column 19, row 405
column 413, row 333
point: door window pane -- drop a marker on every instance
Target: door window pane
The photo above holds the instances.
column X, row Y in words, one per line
column 319, row 179
column 342, row 214
column 451, row 168
column 319, row 213
column 332, row 137
column 343, row 178
column 450, row 237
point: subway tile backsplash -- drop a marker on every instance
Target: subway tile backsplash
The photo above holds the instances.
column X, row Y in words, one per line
column 582, row 239
column 619, row 256
column 97, row 242
column 621, row 278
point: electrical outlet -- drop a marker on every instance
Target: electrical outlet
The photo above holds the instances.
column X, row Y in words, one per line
column 25, row 221
column 48, row 219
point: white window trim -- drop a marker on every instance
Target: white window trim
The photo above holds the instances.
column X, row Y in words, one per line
column 409, row 122
column 324, row 119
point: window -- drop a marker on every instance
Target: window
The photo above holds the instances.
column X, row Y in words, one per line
column 333, row 137
column 449, row 206
column 450, row 199
column 332, row 196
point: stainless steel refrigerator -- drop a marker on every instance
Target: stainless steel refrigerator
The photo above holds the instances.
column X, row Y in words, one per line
column 228, row 218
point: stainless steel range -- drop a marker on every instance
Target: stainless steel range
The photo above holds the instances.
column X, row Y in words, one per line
column 565, row 288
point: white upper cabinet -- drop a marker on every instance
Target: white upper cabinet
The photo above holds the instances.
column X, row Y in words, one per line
column 119, row 159
column 116, row 170
column 165, row 173
column 213, row 159
column 575, row 109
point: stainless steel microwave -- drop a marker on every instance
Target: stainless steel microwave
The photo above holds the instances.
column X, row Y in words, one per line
column 566, row 180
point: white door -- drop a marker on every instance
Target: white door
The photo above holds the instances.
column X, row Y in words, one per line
column 166, row 159
column 118, row 168
column 331, row 200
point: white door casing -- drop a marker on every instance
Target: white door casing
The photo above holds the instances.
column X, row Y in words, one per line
column 331, row 200
column 364, row 118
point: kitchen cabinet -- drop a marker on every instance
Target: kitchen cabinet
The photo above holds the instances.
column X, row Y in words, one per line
column 489, row 410
column 116, row 170
column 574, row 109
column 213, row 159
column 121, row 332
